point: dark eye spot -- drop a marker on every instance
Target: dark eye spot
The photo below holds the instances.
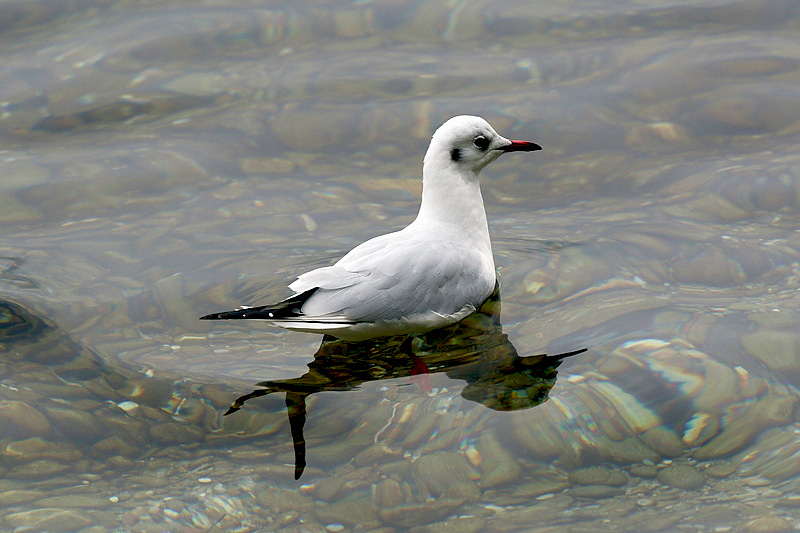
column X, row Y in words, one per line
column 455, row 154
column 481, row 142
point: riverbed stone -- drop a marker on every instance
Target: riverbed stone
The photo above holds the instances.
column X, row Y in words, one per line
column 20, row 420
column 114, row 445
column 11, row 498
column 348, row 511
column 721, row 470
column 416, row 514
column 771, row 410
column 38, row 469
column 171, row 433
column 437, row 472
column 616, row 508
column 768, row 524
column 49, row 519
column 457, row 524
column 498, row 466
column 594, row 492
column 681, row 476
column 77, row 501
column 597, row 475
column 644, row 471
column 75, row 424
column 38, row 448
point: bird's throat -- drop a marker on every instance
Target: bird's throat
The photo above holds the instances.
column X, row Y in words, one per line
column 454, row 204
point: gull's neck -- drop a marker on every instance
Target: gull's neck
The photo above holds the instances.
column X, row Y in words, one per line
column 452, row 203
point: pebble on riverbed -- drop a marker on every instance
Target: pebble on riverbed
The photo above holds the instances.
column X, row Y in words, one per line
column 681, row 476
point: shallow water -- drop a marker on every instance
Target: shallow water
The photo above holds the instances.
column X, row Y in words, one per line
column 162, row 161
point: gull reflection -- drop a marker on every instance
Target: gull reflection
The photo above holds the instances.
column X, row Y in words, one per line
column 475, row 350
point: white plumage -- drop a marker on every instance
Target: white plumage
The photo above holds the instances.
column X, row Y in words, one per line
column 432, row 273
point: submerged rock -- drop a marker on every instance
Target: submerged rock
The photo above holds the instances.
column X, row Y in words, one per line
column 49, row 519
column 598, row 475
column 681, row 476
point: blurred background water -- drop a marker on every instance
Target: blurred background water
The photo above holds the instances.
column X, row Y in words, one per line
column 162, row 160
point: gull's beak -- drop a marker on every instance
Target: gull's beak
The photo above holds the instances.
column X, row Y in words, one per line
column 520, row 146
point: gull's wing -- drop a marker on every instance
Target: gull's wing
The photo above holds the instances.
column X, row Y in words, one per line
column 392, row 284
column 393, row 277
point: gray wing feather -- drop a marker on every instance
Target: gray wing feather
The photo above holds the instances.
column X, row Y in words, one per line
column 388, row 278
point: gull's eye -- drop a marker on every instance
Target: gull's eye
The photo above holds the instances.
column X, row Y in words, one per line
column 481, row 142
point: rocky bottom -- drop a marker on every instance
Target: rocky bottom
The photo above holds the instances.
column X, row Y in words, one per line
column 187, row 488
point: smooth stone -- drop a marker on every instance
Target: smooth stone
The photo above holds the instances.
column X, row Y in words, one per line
column 83, row 501
column 14, row 211
column 25, row 175
column 12, row 498
column 541, row 441
column 281, row 501
column 266, row 165
column 791, row 502
column 120, row 462
column 681, row 476
column 408, row 516
column 497, row 466
column 464, row 490
column 597, row 475
column 350, row 512
column 629, row 450
column 652, row 520
column 114, row 445
column 458, row 524
column 717, row 515
column 528, row 491
column 376, row 454
column 20, row 420
column 767, row 524
column 438, row 471
column 171, row 433
column 663, row 441
column 38, row 448
column 49, row 519
column 327, row 488
column 79, row 426
column 200, row 84
column 779, row 350
column 720, row 470
column 609, row 509
column 542, row 512
column 38, row 469
column 150, row 480
column 594, row 492
column 307, row 130
column 388, row 493
column 644, row 471
column 768, row 411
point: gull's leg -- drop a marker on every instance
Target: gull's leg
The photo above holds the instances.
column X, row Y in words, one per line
column 296, row 409
column 419, row 371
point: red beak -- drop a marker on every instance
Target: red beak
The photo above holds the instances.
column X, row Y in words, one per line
column 521, row 146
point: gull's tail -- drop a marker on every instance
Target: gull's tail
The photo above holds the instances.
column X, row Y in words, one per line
column 288, row 308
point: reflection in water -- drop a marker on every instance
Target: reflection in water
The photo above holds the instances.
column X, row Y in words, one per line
column 475, row 350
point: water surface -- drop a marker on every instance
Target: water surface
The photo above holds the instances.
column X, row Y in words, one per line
column 162, row 161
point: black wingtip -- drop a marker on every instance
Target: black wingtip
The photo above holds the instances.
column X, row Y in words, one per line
column 219, row 316
column 238, row 314
column 290, row 307
column 233, row 408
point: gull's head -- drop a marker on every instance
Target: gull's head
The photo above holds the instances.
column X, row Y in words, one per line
column 469, row 143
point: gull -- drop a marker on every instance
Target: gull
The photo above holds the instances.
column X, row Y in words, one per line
column 433, row 273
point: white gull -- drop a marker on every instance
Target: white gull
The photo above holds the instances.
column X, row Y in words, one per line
column 432, row 273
